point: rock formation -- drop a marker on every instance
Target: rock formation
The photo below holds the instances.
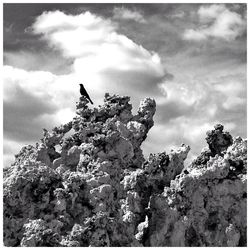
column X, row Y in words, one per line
column 94, row 187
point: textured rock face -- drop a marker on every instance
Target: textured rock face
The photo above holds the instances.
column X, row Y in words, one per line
column 205, row 205
column 94, row 188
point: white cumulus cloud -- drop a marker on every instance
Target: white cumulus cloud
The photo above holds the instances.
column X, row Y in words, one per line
column 101, row 55
column 216, row 21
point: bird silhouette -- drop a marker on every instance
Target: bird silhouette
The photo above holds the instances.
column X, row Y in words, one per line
column 84, row 93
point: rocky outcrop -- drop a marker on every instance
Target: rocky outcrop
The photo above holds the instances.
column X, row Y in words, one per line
column 205, row 205
column 87, row 184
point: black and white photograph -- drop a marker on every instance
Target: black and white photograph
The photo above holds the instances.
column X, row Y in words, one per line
column 124, row 124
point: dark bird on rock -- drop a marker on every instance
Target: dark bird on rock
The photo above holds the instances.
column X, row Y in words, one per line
column 84, row 93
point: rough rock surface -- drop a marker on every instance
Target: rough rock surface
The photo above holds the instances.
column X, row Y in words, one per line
column 94, row 188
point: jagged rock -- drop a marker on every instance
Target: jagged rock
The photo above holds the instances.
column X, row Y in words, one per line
column 94, row 187
column 207, row 202
column 27, row 195
column 40, row 233
column 217, row 140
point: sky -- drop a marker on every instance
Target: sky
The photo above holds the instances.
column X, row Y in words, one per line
column 191, row 58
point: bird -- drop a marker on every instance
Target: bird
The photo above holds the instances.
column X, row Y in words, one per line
column 84, row 93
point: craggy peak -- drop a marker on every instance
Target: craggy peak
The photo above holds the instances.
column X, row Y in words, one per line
column 86, row 183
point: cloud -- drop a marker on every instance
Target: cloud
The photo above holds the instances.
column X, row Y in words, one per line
column 102, row 57
column 233, row 88
column 209, row 13
column 10, row 148
column 216, row 21
column 28, row 60
column 33, row 100
column 178, row 14
column 127, row 14
column 75, row 36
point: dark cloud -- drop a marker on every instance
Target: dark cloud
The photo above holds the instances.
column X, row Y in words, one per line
column 172, row 110
column 51, row 61
column 133, row 82
column 22, row 116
